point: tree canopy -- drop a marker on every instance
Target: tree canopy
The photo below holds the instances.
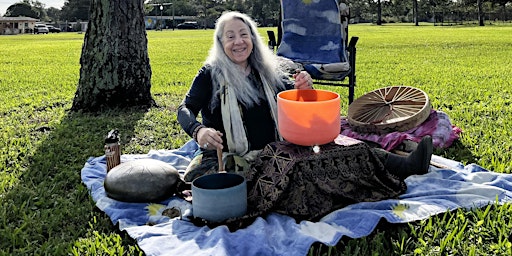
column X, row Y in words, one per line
column 27, row 8
column 266, row 12
column 21, row 9
column 75, row 10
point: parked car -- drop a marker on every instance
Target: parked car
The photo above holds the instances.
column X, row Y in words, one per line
column 41, row 29
column 188, row 25
column 53, row 29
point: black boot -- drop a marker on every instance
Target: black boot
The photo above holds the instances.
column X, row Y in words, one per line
column 417, row 162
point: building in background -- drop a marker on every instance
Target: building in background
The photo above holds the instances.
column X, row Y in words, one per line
column 17, row 25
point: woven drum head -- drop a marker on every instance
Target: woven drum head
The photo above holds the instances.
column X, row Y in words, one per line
column 395, row 108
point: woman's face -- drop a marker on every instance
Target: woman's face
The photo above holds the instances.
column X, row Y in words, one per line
column 237, row 41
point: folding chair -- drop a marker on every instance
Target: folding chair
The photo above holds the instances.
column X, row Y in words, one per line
column 313, row 35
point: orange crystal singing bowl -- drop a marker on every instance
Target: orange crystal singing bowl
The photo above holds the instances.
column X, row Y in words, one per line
column 308, row 117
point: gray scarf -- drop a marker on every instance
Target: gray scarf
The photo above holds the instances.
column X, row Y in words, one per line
column 232, row 119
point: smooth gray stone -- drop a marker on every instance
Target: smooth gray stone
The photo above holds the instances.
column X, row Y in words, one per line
column 142, row 180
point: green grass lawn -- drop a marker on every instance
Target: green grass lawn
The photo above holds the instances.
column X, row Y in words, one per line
column 44, row 208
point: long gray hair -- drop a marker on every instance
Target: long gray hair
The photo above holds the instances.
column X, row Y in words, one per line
column 224, row 71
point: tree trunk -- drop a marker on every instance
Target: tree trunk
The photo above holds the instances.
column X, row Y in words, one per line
column 115, row 70
column 415, row 11
column 480, row 13
column 379, row 13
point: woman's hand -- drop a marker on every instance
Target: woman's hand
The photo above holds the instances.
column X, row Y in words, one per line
column 209, row 138
column 303, row 80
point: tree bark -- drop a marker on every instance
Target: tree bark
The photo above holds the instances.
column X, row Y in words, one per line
column 115, row 70
column 480, row 13
column 379, row 13
column 415, row 10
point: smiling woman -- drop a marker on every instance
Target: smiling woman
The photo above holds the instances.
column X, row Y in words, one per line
column 235, row 92
column 240, row 68
column 237, row 43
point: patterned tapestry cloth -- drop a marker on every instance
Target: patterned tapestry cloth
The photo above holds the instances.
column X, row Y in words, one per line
column 295, row 181
column 156, row 233
column 437, row 125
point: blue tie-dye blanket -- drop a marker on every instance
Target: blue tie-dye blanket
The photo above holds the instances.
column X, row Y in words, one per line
column 436, row 192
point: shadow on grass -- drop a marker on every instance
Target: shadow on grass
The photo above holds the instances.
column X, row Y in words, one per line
column 457, row 152
column 49, row 211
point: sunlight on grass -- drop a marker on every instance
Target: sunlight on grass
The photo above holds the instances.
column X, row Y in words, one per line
column 465, row 71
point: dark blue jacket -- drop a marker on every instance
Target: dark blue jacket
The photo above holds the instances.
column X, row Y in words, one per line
column 258, row 121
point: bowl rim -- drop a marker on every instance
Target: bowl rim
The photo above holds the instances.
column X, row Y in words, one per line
column 236, row 180
column 279, row 96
